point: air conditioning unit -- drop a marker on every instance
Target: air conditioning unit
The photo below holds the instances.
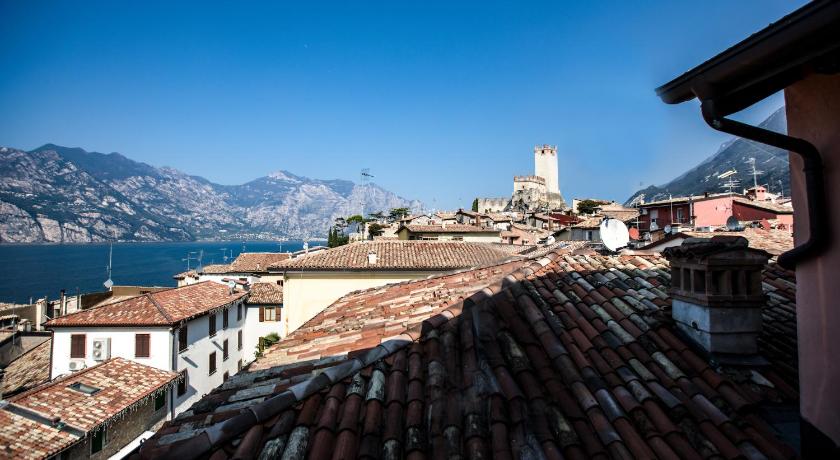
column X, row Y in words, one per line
column 101, row 349
column 77, row 364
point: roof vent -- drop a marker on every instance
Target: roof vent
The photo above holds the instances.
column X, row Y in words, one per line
column 717, row 293
column 372, row 258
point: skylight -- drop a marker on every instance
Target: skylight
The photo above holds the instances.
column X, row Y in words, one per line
column 86, row 389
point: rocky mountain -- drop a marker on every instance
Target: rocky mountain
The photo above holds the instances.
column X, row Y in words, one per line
column 733, row 155
column 60, row 194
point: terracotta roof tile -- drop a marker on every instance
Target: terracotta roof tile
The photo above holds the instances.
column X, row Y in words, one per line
column 398, row 255
column 265, row 293
column 512, row 373
column 251, row 262
column 120, row 384
column 448, row 228
column 28, row 370
column 167, row 307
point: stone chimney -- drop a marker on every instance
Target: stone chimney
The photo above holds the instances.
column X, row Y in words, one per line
column 372, row 258
column 716, row 293
column 757, row 193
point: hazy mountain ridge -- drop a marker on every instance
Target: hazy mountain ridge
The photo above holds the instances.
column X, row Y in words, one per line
column 60, row 194
column 731, row 155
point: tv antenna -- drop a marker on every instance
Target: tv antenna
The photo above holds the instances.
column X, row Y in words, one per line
column 755, row 172
column 225, row 254
column 731, row 184
column 109, row 283
column 365, row 176
column 190, row 257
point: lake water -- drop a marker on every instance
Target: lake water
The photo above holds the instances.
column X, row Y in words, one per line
column 33, row 271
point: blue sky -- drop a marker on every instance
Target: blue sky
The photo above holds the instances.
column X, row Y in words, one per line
column 444, row 101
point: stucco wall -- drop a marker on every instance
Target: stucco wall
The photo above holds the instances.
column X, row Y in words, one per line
column 255, row 329
column 122, row 345
column 306, row 294
column 813, row 113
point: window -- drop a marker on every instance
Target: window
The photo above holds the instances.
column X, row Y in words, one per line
column 679, row 215
column 589, row 235
column 212, row 319
column 212, row 363
column 182, row 338
column 268, row 314
column 225, row 350
column 82, row 388
column 225, row 314
column 239, row 365
column 160, row 400
column 77, row 346
column 142, row 345
column 182, row 383
column 98, row 440
column 239, row 312
column 239, row 340
column 225, row 376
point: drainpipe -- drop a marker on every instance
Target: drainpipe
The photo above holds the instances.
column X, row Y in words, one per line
column 818, row 231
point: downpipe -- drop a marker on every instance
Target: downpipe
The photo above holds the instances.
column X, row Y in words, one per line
column 818, row 227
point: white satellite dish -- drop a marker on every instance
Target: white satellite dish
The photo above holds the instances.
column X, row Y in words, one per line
column 732, row 224
column 550, row 240
column 108, row 283
column 667, row 229
column 614, row 234
column 653, row 226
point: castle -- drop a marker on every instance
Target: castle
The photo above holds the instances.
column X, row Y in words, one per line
column 540, row 192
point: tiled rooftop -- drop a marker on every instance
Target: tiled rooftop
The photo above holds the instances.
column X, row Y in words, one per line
column 567, row 357
column 773, row 241
column 122, row 383
column 249, row 262
column 448, row 228
column 398, row 255
column 158, row 308
column 363, row 319
column 28, row 370
column 265, row 293
column 765, row 205
column 215, row 269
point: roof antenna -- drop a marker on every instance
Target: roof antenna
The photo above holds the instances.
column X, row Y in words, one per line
column 109, row 283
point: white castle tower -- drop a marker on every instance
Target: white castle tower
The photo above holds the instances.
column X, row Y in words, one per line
column 545, row 166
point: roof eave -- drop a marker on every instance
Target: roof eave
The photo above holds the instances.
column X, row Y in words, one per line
column 766, row 62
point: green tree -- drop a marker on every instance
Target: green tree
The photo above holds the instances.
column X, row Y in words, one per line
column 475, row 205
column 397, row 214
column 378, row 215
column 375, row 229
column 355, row 218
column 588, row 206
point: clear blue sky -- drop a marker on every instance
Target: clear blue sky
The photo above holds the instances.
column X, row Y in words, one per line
column 443, row 101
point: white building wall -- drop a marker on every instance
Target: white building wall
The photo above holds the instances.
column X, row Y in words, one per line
column 122, row 345
column 255, row 329
column 195, row 359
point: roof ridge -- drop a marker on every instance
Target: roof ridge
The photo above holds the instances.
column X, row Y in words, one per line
column 225, row 430
column 160, row 308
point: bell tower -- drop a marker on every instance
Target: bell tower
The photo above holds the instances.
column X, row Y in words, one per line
column 545, row 166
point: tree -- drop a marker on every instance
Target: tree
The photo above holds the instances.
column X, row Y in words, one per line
column 355, row 218
column 375, row 229
column 397, row 214
column 588, row 206
column 475, row 205
column 378, row 215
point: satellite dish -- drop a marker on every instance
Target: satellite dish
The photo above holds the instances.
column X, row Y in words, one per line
column 732, row 224
column 108, row 283
column 550, row 240
column 653, row 226
column 614, row 234
column 667, row 229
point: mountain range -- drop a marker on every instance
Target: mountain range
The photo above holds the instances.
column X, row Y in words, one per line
column 733, row 155
column 62, row 195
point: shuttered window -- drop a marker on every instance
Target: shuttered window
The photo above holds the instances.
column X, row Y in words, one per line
column 212, row 324
column 268, row 314
column 77, row 346
column 212, row 363
column 225, row 314
column 182, row 338
column 239, row 340
column 142, row 345
column 262, row 314
column 225, row 350
column 239, row 312
column 182, row 383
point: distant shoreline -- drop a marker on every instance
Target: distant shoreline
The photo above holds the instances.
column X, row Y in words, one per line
column 93, row 243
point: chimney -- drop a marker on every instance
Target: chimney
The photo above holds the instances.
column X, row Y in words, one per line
column 716, row 293
column 372, row 258
column 62, row 303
